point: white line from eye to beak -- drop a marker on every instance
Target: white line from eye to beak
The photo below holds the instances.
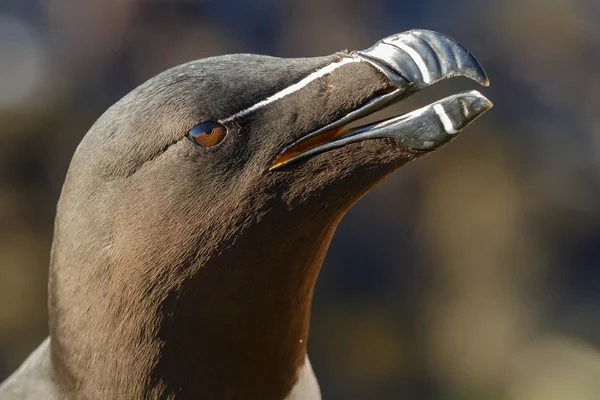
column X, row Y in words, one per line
column 295, row 87
column 448, row 125
column 416, row 58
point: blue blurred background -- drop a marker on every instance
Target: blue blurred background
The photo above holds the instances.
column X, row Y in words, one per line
column 471, row 274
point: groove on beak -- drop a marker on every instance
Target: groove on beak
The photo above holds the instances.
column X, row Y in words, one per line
column 423, row 57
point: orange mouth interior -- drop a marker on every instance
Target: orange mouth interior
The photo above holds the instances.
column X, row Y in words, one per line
column 308, row 145
column 316, row 141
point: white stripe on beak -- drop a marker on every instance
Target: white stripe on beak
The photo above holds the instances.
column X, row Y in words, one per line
column 448, row 125
column 416, row 58
column 295, row 87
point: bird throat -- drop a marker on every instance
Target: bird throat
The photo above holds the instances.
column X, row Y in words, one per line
column 243, row 322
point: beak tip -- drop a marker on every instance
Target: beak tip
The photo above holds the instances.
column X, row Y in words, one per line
column 479, row 103
column 483, row 79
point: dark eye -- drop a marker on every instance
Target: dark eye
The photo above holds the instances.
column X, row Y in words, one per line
column 207, row 134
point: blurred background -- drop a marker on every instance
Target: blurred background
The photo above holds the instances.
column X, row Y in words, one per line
column 471, row 274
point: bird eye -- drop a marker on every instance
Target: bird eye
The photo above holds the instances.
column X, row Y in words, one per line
column 207, row 134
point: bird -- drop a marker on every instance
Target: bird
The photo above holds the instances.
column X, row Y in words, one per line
column 197, row 210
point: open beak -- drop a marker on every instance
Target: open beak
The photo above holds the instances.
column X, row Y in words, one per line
column 412, row 61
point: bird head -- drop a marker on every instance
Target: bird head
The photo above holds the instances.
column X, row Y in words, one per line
column 206, row 137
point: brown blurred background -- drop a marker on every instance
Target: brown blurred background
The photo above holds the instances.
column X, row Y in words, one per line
column 500, row 296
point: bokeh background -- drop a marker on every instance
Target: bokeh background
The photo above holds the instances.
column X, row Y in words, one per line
column 471, row 274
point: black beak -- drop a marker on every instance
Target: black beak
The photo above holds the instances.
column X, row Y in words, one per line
column 411, row 61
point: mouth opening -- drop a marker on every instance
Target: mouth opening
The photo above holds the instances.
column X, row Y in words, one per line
column 303, row 146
